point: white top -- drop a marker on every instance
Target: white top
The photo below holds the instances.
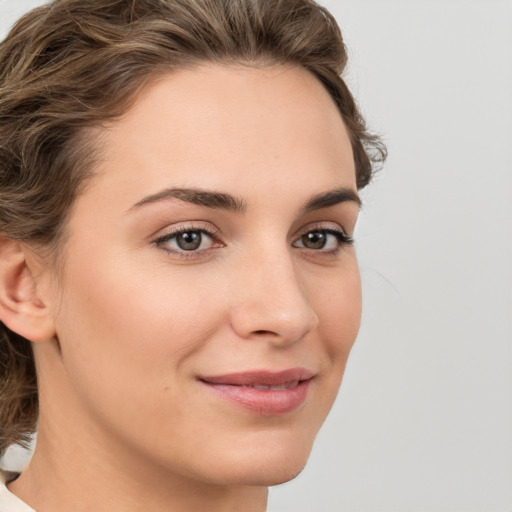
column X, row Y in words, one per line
column 8, row 501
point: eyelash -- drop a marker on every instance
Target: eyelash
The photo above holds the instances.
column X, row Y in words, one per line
column 173, row 233
column 343, row 240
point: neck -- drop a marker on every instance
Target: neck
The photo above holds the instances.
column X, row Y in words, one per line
column 62, row 477
column 78, row 466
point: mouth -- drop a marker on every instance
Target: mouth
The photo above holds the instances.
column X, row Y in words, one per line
column 265, row 393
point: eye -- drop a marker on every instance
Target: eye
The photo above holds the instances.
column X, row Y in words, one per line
column 189, row 240
column 326, row 240
column 186, row 240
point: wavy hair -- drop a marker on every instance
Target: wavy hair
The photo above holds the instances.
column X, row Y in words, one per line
column 70, row 65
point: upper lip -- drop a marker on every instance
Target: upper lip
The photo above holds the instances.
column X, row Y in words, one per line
column 260, row 377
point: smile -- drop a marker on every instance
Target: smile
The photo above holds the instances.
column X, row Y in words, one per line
column 262, row 392
column 288, row 385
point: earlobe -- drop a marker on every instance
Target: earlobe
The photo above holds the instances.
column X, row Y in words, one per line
column 21, row 308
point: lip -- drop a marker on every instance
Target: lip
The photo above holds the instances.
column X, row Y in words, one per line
column 250, row 389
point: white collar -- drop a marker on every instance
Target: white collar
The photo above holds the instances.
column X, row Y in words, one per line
column 8, row 501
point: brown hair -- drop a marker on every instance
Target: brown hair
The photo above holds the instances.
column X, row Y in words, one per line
column 72, row 64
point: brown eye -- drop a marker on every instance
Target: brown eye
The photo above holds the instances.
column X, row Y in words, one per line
column 314, row 240
column 325, row 240
column 189, row 241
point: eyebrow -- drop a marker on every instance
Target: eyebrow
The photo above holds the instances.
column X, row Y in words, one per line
column 331, row 198
column 223, row 201
column 210, row 199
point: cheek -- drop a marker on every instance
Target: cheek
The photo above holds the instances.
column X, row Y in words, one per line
column 136, row 328
column 338, row 307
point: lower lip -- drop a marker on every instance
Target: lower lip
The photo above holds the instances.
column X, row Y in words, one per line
column 266, row 402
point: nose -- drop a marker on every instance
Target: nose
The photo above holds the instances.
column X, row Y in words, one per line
column 270, row 302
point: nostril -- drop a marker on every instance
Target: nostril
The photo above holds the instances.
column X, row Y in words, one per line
column 280, row 323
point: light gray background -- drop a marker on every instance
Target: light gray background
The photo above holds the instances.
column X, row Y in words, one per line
column 423, row 422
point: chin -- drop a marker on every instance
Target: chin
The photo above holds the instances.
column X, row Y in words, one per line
column 265, row 476
column 265, row 466
column 280, row 477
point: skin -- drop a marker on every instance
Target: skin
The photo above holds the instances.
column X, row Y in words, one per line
column 124, row 423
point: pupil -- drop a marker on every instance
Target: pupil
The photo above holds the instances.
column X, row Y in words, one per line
column 189, row 241
column 314, row 240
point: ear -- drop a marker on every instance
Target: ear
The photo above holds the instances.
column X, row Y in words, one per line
column 21, row 308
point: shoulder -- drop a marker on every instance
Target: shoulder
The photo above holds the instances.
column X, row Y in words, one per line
column 8, row 501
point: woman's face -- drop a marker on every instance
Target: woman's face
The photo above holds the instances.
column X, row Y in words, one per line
column 208, row 260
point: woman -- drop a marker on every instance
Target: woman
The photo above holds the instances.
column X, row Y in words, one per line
column 178, row 193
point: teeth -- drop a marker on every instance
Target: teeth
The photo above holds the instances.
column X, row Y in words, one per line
column 288, row 385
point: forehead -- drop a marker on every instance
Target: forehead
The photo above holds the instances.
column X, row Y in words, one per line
column 221, row 126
